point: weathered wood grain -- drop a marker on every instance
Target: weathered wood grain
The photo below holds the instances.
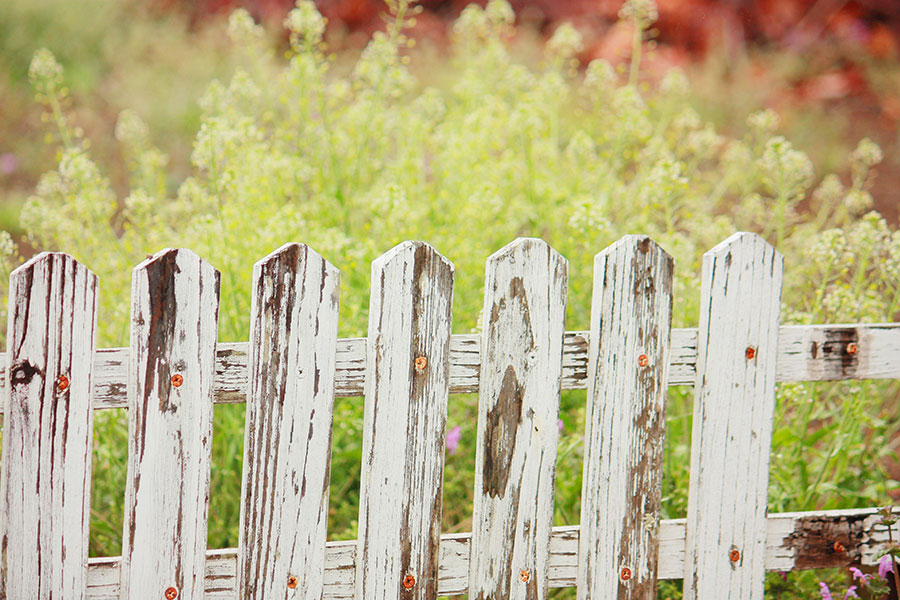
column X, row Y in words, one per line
column 175, row 305
column 45, row 486
column 404, row 424
column 805, row 353
column 631, row 321
column 732, row 419
column 287, row 444
column 794, row 541
column 515, row 462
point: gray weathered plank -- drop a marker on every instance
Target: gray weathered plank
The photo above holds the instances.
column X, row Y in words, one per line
column 631, row 320
column 175, row 305
column 287, row 444
column 794, row 541
column 515, row 462
column 805, row 353
column 732, row 423
column 47, row 436
column 404, row 423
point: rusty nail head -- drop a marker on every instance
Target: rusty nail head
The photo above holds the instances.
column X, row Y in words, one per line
column 643, row 360
column 852, row 348
column 421, row 363
column 292, row 582
column 625, row 574
column 750, row 353
column 177, row 380
column 838, row 547
column 171, row 593
column 62, row 383
column 734, row 555
column 409, row 581
column 524, row 575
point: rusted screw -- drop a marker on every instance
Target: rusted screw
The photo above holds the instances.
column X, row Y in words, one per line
column 750, row 353
column 421, row 362
column 625, row 574
column 62, row 383
column 734, row 555
column 643, row 360
column 852, row 348
column 524, row 575
column 838, row 547
column 171, row 593
column 293, row 582
column 409, row 581
column 177, row 380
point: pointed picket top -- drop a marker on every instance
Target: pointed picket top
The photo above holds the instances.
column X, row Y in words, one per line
column 290, row 399
column 47, row 437
column 407, row 383
column 526, row 287
column 174, row 316
column 628, row 362
column 733, row 418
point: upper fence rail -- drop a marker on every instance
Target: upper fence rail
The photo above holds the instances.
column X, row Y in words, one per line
column 832, row 352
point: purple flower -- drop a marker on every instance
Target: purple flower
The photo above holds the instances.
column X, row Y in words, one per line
column 885, row 566
column 453, row 437
column 9, row 164
column 560, row 426
column 857, row 574
column 826, row 593
column 851, row 592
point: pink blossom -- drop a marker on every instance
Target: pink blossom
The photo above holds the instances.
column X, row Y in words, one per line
column 857, row 574
column 851, row 592
column 453, row 437
column 826, row 593
column 885, row 566
column 560, row 426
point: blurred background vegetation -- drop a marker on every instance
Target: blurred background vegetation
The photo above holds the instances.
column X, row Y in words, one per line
column 154, row 123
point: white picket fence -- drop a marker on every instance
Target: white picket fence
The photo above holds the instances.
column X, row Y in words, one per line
column 293, row 367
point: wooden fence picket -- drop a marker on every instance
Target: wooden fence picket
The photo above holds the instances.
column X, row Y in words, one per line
column 404, row 425
column 732, row 420
column 175, row 305
column 47, row 436
column 287, row 446
column 515, row 463
column 631, row 321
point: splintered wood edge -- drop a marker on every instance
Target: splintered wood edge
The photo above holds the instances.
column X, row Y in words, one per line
column 794, row 541
column 805, row 353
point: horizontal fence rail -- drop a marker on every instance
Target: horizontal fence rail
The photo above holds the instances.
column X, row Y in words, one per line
column 805, row 353
column 52, row 378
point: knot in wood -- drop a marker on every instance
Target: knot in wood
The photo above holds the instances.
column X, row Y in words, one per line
column 838, row 547
column 852, row 348
column 524, row 575
column 293, row 582
column 643, row 360
column 177, row 380
column 734, row 555
column 750, row 353
column 625, row 574
column 62, row 383
column 171, row 593
column 421, row 362
column 409, row 581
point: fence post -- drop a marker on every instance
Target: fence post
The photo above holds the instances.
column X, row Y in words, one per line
column 628, row 365
column 46, row 473
column 518, row 410
column 407, row 383
column 175, row 304
column 287, row 443
column 732, row 420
